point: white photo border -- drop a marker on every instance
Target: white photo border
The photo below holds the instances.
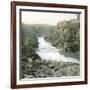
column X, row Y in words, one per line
column 51, row 80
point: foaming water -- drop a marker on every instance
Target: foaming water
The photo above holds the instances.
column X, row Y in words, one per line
column 48, row 52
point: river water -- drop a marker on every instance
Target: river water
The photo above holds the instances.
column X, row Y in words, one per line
column 48, row 52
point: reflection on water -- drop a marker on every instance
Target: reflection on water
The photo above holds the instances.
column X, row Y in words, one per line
column 48, row 52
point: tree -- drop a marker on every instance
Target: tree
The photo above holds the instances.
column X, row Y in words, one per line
column 66, row 35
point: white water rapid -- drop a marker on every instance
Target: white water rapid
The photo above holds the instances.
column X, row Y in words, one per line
column 48, row 52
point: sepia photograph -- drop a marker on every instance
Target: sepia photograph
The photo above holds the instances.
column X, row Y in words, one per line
column 49, row 44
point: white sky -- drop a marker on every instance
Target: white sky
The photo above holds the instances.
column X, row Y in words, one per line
column 44, row 17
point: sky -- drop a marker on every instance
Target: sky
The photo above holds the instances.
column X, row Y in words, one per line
column 45, row 17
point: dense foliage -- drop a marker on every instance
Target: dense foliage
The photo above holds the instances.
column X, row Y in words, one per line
column 66, row 36
column 43, row 69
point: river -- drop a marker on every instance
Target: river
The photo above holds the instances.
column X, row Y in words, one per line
column 48, row 52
